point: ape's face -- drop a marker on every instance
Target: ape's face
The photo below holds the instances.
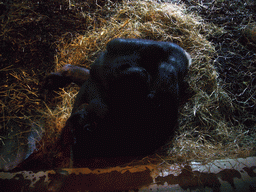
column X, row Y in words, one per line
column 131, row 85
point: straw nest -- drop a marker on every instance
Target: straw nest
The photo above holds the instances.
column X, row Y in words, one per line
column 206, row 129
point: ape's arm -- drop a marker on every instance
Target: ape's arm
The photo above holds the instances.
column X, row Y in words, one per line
column 78, row 75
column 66, row 75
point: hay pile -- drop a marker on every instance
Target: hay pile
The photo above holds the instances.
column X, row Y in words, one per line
column 205, row 132
column 235, row 61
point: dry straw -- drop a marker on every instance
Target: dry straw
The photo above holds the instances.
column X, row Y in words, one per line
column 205, row 131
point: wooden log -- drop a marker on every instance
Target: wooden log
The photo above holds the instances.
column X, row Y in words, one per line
column 219, row 175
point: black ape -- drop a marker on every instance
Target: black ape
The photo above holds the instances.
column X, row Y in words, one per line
column 132, row 95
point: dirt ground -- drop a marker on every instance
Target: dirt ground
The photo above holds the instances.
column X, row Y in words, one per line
column 31, row 31
column 235, row 57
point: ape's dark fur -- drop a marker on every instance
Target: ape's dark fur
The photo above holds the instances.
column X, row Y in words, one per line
column 132, row 95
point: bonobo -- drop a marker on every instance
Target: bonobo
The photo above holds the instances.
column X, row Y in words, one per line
column 132, row 92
